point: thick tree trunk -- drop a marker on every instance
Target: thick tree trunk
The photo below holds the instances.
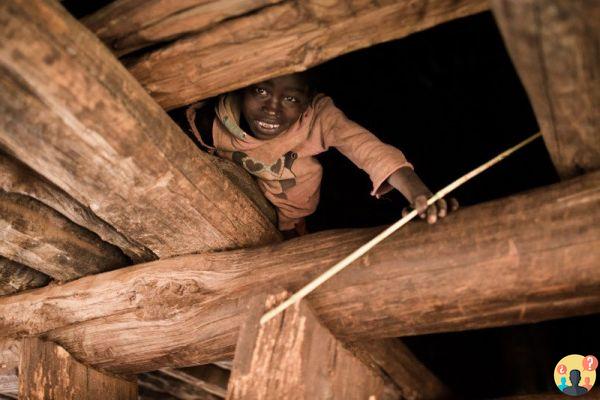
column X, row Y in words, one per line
column 554, row 45
column 280, row 39
column 293, row 356
column 47, row 371
column 38, row 237
column 128, row 25
column 15, row 277
column 70, row 111
column 522, row 259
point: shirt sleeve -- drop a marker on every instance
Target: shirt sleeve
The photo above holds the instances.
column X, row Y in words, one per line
column 364, row 149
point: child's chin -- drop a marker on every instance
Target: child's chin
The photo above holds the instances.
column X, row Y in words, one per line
column 264, row 134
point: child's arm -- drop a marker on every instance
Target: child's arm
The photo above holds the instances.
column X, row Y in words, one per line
column 407, row 182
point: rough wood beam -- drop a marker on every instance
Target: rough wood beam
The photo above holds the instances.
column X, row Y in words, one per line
column 280, row 39
column 98, row 136
column 487, row 265
column 554, row 46
column 128, row 25
column 35, row 235
column 414, row 380
column 225, row 364
column 16, row 177
column 294, row 356
column 209, row 378
column 10, row 351
column 15, row 277
column 162, row 383
column 47, row 371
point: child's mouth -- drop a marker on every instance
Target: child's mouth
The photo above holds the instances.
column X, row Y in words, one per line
column 267, row 126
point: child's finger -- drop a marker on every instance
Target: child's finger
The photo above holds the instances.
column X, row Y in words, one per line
column 442, row 208
column 432, row 214
column 405, row 212
column 421, row 204
column 453, row 204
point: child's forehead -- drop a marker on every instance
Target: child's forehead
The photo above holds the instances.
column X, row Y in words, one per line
column 287, row 82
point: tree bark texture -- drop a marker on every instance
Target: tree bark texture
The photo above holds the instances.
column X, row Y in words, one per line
column 38, row 237
column 128, row 25
column 47, row 371
column 280, row 39
column 70, row 111
column 554, row 45
column 527, row 258
column 15, row 277
column 293, row 356
column 10, row 351
column 16, row 177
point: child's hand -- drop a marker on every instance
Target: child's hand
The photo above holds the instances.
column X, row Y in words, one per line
column 437, row 210
column 406, row 181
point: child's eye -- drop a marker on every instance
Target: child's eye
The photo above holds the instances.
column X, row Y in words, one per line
column 260, row 91
column 291, row 99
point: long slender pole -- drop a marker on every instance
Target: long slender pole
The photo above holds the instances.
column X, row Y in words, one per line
column 303, row 292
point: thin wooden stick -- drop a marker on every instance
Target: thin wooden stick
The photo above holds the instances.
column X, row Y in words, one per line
column 300, row 294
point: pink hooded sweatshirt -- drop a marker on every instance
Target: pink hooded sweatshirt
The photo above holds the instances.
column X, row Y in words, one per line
column 285, row 167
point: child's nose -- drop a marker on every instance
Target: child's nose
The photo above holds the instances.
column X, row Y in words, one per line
column 271, row 106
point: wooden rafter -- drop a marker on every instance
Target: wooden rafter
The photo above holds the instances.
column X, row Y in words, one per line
column 128, row 25
column 15, row 277
column 209, row 378
column 96, row 134
column 47, row 371
column 554, row 46
column 38, row 237
column 17, row 178
column 293, row 356
column 440, row 285
column 287, row 37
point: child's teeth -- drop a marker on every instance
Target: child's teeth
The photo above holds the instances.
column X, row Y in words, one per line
column 268, row 126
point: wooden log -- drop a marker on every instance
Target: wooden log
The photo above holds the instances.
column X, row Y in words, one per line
column 414, row 380
column 281, row 39
column 10, row 351
column 47, row 371
column 16, row 177
column 293, row 356
column 554, row 46
column 128, row 25
column 98, row 136
column 15, row 277
column 522, row 259
column 162, row 383
column 209, row 378
column 37, row 236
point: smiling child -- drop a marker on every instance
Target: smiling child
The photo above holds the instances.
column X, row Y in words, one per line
column 273, row 129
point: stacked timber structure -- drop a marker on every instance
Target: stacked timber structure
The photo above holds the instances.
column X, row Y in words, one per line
column 125, row 251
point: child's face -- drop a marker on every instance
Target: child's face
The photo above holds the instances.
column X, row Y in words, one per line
column 272, row 106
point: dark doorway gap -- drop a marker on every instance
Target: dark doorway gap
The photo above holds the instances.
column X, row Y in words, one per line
column 450, row 99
